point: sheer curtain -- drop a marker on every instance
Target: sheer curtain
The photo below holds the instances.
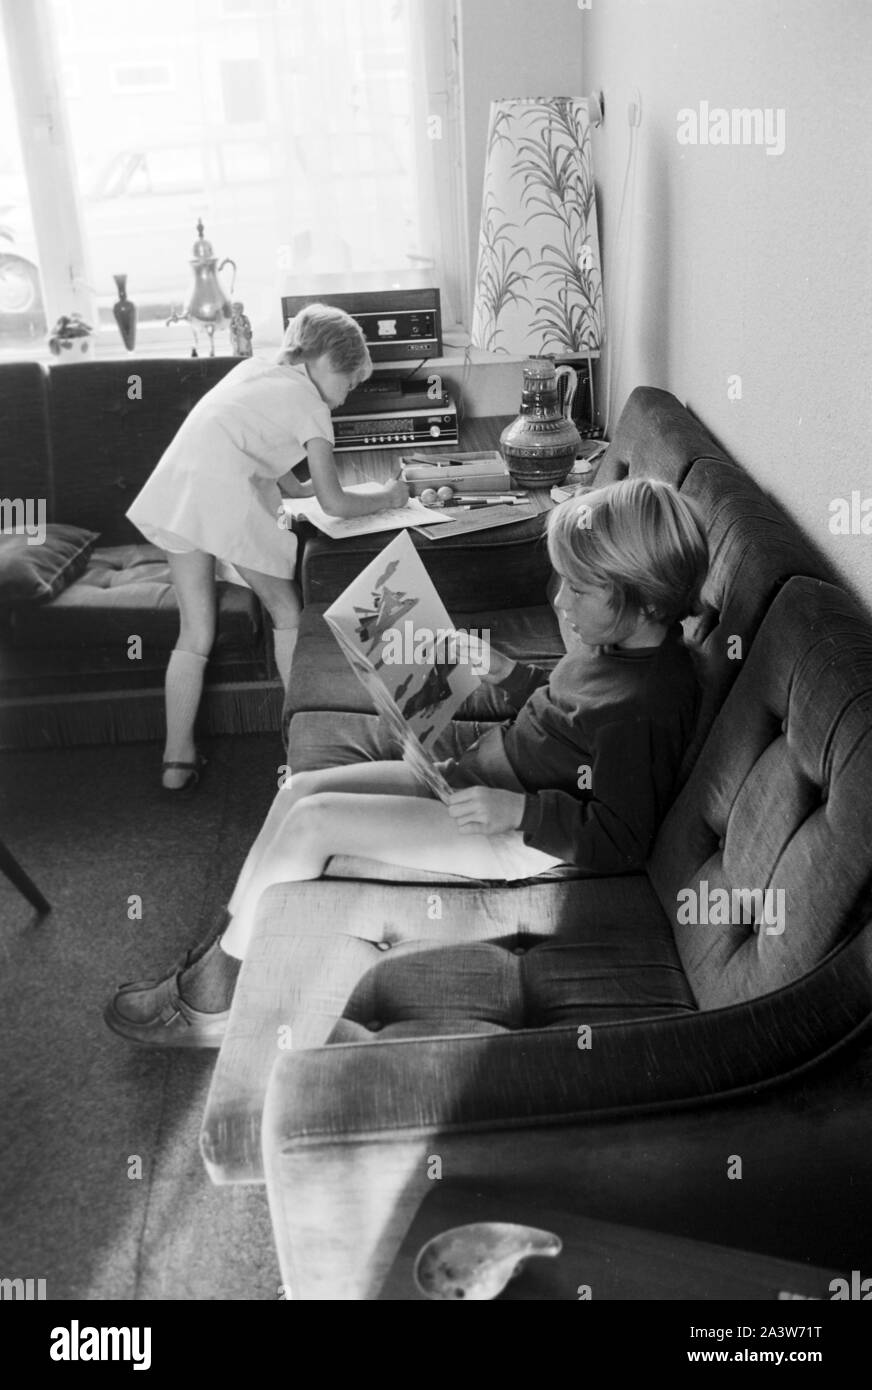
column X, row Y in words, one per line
column 319, row 143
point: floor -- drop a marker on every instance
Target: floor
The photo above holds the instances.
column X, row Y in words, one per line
column 103, row 1190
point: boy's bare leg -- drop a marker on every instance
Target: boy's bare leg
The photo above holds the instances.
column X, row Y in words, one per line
column 414, row 833
column 387, row 778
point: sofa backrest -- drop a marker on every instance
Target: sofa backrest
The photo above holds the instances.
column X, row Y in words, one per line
column 656, row 437
column 754, row 547
column 24, row 448
column 776, row 816
column 109, row 423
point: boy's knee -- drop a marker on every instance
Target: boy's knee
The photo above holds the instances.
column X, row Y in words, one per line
column 312, row 813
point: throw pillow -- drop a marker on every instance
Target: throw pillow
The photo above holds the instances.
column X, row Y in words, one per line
column 33, row 572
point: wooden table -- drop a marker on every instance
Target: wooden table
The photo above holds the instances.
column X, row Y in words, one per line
column 476, row 435
column 603, row 1259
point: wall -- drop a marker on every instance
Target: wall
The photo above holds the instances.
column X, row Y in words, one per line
column 735, row 262
column 511, row 49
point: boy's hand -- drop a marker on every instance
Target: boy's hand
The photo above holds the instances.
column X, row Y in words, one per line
column 482, row 659
column 485, row 810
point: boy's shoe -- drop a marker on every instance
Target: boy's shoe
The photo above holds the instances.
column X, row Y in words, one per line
column 163, row 1018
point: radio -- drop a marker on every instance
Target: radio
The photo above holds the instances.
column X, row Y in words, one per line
column 397, row 324
column 394, row 429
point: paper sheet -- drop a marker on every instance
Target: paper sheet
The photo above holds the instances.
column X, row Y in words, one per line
column 413, row 514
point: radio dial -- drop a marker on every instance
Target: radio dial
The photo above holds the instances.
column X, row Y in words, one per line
column 435, row 431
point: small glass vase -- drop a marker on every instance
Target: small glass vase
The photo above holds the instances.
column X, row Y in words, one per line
column 125, row 313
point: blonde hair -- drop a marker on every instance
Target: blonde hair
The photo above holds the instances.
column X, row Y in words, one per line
column 318, row 329
column 640, row 539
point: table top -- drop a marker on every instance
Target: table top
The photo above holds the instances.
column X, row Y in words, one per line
column 601, row 1259
column 476, row 435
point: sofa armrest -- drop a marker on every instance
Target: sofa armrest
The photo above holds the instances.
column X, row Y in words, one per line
column 295, row 984
column 350, row 1131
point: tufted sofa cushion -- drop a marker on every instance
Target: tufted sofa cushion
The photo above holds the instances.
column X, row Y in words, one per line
column 127, row 589
column 753, row 549
column 778, row 802
column 24, row 455
column 104, row 445
column 656, row 437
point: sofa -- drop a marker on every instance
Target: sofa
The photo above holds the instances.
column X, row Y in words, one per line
column 83, row 438
column 383, row 1019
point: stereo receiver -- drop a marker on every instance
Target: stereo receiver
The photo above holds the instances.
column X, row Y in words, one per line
column 396, row 429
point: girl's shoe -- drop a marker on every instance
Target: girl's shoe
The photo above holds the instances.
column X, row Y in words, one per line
column 190, row 782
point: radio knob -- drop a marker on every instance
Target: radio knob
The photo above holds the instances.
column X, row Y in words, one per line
column 435, row 431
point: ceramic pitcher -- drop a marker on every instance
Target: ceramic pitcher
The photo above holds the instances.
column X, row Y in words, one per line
column 540, row 446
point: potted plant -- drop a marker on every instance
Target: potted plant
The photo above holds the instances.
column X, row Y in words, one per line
column 71, row 339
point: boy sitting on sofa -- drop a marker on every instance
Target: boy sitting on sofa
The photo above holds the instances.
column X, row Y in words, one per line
column 582, row 775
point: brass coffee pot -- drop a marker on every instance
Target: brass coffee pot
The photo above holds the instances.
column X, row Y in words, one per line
column 208, row 304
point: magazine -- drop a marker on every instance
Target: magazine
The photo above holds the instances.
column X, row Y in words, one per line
column 399, row 641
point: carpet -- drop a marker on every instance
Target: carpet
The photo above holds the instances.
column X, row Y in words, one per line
column 103, row 1191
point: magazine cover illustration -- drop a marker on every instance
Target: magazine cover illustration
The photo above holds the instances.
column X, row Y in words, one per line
column 396, row 635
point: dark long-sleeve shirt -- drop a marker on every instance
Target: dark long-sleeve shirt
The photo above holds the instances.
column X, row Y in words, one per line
column 596, row 747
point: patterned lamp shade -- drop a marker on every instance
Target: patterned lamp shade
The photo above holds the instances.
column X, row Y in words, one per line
column 538, row 287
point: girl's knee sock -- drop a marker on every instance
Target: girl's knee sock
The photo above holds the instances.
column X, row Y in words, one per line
column 183, row 690
column 284, row 642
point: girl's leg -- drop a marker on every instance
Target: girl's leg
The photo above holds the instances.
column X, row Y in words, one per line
column 387, row 778
column 193, row 575
column 417, row 833
column 281, row 599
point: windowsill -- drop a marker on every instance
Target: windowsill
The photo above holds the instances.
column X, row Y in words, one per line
column 109, row 348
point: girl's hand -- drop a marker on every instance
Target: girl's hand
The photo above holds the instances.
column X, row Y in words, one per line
column 395, row 494
column 483, row 660
column 485, row 810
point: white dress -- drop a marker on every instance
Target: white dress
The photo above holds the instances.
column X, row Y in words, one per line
column 214, row 488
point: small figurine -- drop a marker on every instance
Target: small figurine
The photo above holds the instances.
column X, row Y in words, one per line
column 240, row 330
column 71, row 336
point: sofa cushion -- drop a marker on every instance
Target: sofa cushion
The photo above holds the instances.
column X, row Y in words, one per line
column 498, row 959
column 110, row 422
column 322, row 680
column 754, row 548
column 506, row 567
column 126, row 590
column 773, row 830
column 24, row 443
column 656, row 437
column 428, row 989
column 35, row 572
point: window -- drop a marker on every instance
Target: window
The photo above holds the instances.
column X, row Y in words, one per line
column 133, row 78
column 298, row 135
column 242, row 87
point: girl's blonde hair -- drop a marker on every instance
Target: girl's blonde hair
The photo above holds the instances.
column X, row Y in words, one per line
column 641, row 540
column 319, row 329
